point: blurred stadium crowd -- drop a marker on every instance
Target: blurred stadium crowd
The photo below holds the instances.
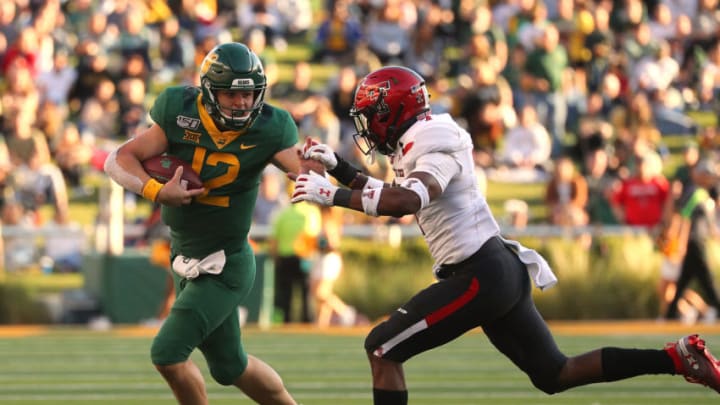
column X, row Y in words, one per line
column 576, row 94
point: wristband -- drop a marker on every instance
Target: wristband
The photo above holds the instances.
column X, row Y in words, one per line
column 151, row 189
column 342, row 197
column 372, row 182
column 344, row 172
column 370, row 201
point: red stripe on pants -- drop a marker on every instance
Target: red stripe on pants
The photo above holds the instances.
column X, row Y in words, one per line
column 458, row 303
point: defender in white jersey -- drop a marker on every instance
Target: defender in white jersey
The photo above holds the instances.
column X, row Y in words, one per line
column 483, row 279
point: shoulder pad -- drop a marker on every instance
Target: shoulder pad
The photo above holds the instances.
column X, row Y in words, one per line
column 439, row 134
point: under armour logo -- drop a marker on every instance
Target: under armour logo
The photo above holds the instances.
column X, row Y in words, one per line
column 324, row 192
column 692, row 362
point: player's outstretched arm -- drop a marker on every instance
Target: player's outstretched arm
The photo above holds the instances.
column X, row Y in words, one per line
column 338, row 167
column 407, row 198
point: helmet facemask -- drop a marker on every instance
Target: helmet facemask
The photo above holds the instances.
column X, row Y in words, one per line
column 238, row 118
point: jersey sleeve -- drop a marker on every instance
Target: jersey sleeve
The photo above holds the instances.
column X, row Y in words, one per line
column 158, row 112
column 441, row 166
column 288, row 130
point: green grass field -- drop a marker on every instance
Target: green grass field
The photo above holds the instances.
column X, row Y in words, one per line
column 78, row 366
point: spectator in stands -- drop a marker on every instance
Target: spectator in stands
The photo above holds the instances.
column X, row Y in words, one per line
column 9, row 24
column 263, row 15
column 636, row 133
column 132, row 101
column 21, row 91
column 35, row 179
column 513, row 74
column 600, row 185
column 599, row 43
column 544, row 79
column 575, row 22
column 529, row 34
column 100, row 32
column 566, row 195
column 480, row 100
column 705, row 23
column 72, row 154
column 296, row 18
column 514, row 16
column 425, row 53
column 297, row 96
column 25, row 48
column 708, row 87
column 55, row 84
column 661, row 23
column 174, row 46
column 338, row 34
column 257, row 41
column 100, row 114
column 593, row 129
column 626, row 14
column 527, row 145
column 484, row 24
column 341, row 90
column 388, row 30
column 134, row 36
column 322, row 124
column 641, row 198
column 92, row 69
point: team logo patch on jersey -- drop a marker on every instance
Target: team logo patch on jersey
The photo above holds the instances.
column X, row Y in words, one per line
column 187, row 122
column 192, row 136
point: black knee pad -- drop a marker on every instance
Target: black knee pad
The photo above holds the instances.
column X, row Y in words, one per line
column 546, row 383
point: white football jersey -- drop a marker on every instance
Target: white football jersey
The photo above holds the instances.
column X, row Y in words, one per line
column 458, row 222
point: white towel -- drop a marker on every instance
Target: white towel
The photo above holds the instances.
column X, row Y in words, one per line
column 191, row 268
column 540, row 271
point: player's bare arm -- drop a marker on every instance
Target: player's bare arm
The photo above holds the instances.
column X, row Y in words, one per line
column 397, row 200
column 124, row 166
column 287, row 160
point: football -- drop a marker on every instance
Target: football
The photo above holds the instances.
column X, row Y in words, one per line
column 162, row 168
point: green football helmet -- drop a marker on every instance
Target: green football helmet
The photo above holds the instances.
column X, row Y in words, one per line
column 232, row 66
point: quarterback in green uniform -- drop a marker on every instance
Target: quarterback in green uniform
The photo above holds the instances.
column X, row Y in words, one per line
column 229, row 135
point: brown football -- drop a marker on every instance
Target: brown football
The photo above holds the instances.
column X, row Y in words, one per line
column 162, row 168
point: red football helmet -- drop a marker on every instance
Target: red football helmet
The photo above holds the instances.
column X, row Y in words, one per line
column 387, row 102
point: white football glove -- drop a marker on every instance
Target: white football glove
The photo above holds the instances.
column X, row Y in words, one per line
column 314, row 188
column 322, row 153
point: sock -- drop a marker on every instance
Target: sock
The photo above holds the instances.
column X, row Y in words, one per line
column 387, row 397
column 619, row 364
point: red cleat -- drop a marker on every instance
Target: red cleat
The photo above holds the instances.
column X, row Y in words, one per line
column 695, row 362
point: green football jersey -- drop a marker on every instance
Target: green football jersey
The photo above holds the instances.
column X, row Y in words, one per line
column 230, row 164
